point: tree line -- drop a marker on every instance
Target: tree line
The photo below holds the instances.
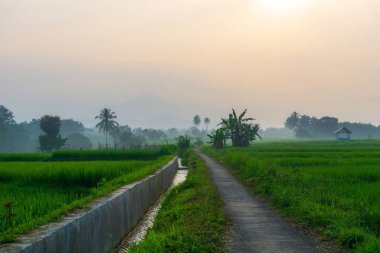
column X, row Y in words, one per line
column 52, row 133
column 305, row 126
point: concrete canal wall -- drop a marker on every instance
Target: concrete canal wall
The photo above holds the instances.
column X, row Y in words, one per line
column 101, row 227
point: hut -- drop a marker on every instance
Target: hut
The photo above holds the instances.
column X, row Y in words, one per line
column 343, row 134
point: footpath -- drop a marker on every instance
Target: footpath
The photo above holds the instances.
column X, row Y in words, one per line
column 255, row 226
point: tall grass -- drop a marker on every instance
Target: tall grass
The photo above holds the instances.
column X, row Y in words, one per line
column 110, row 155
column 89, row 155
column 23, row 157
column 44, row 191
column 332, row 187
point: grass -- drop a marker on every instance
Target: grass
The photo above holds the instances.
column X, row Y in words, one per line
column 23, row 157
column 88, row 155
column 95, row 155
column 332, row 187
column 190, row 219
column 44, row 191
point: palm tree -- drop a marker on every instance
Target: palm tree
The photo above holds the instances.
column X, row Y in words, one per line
column 107, row 122
column 207, row 122
column 197, row 120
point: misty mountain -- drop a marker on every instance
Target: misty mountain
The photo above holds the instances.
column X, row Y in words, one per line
column 150, row 111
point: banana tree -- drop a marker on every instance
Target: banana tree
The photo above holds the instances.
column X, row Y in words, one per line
column 239, row 129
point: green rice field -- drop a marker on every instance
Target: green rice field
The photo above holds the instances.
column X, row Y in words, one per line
column 42, row 191
column 331, row 187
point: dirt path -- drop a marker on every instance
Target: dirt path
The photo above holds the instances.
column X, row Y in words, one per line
column 255, row 226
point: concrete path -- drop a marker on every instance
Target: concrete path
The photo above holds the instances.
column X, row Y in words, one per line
column 255, row 226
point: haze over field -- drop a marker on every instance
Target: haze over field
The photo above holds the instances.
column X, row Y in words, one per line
column 157, row 63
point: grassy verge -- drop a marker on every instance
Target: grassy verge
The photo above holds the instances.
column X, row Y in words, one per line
column 331, row 187
column 190, row 219
column 44, row 191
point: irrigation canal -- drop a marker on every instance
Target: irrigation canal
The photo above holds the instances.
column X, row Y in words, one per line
column 139, row 232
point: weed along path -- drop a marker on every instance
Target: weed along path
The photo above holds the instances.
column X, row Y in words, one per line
column 255, row 226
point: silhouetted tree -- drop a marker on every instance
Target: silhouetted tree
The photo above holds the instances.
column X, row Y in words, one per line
column 70, row 126
column 172, row 132
column 107, row 122
column 6, row 117
column 292, row 121
column 78, row 141
column 126, row 136
column 51, row 140
column 207, row 122
column 197, row 120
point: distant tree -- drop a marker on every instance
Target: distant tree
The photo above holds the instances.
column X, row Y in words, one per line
column 238, row 128
column 126, row 136
column 70, row 126
column 6, row 117
column 207, row 122
column 292, row 121
column 328, row 125
column 154, row 134
column 172, row 132
column 195, row 131
column 51, row 140
column 300, row 132
column 138, row 140
column 115, row 133
column 78, row 141
column 305, row 122
column 197, row 121
column 107, row 122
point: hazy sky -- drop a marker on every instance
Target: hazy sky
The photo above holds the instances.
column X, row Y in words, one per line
column 73, row 57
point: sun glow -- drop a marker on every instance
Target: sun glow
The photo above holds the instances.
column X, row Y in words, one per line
column 284, row 5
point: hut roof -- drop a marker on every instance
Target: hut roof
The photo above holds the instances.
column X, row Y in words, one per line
column 343, row 130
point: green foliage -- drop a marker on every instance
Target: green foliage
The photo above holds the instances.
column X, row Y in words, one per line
column 238, row 129
column 168, row 149
column 329, row 186
column 49, row 143
column 190, row 219
column 183, row 143
column 51, row 140
column 44, row 191
column 217, row 138
column 50, row 125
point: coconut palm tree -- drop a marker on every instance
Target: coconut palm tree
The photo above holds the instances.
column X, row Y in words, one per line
column 107, row 122
column 197, row 120
column 207, row 122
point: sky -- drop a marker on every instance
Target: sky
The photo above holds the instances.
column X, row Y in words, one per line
column 157, row 63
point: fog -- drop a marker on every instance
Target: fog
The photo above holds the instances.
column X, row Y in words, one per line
column 74, row 58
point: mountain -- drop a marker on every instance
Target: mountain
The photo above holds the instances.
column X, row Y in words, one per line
column 150, row 111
